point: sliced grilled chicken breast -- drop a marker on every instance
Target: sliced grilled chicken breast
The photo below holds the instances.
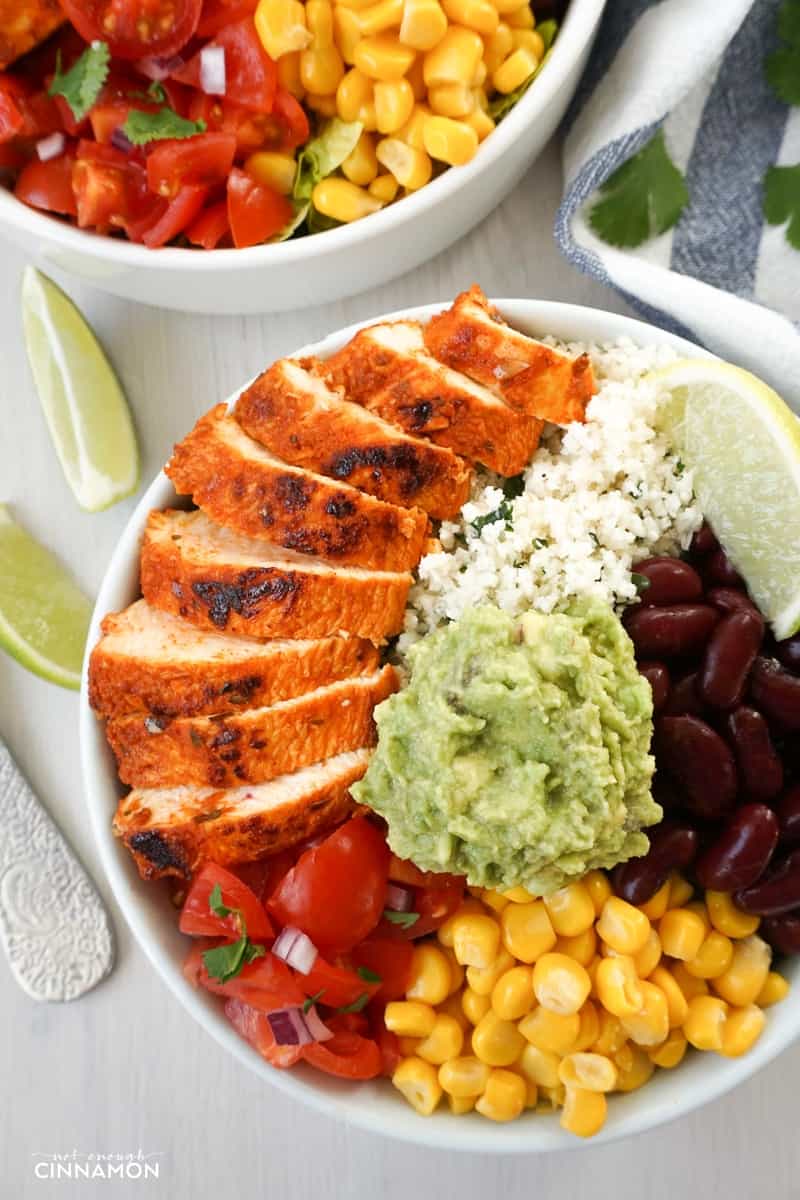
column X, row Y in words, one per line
column 245, row 488
column 388, row 369
column 252, row 746
column 220, row 581
column 532, row 378
column 173, row 831
column 295, row 415
column 149, row 661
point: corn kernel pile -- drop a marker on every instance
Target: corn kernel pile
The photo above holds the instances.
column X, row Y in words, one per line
column 555, row 1002
column 417, row 74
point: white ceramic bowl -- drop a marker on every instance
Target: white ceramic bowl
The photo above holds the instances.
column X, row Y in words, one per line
column 376, row 1106
column 342, row 261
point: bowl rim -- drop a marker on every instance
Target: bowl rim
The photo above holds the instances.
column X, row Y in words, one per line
column 629, row 1115
column 578, row 28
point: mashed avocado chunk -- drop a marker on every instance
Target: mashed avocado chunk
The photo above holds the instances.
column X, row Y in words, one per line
column 518, row 753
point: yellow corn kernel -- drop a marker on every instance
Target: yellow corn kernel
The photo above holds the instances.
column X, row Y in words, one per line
column 624, row 1058
column 496, row 50
column 492, row 899
column 483, row 979
column 596, row 882
column 506, row 6
column 479, row 15
column 378, row 18
column 589, row 1028
column 346, row 32
column 623, row 927
column 454, row 60
column 459, row 1105
column 512, row 995
column 288, row 67
column 713, row 958
column 610, row 1036
column 361, row 167
column 480, row 76
column 496, row 1042
column 583, row 946
column 705, row 1022
column 618, row 987
column 281, row 26
column 449, row 141
column 670, row 1052
column 476, row 937
column 324, row 105
column 649, row 1026
column 412, row 168
column 649, row 956
column 690, row 985
column 519, row 895
column 383, row 57
column 747, row 973
column 594, row 1072
column 531, row 1093
column 419, row 1083
column 680, row 891
column 742, row 1030
column 353, row 93
column 584, row 1112
column 430, row 976
column 443, row 1042
column 677, row 1002
column 775, row 989
column 682, row 933
column 526, row 929
column 560, row 984
column 530, row 39
column 412, row 134
column 321, row 71
column 729, row 919
column 416, row 77
column 636, row 1071
column 591, row 971
column 457, row 973
column 409, row 1018
column 355, row 5
column 551, row 1031
column 698, row 907
column 453, row 1007
column 503, row 1098
column 276, row 171
column 520, row 18
column 424, row 24
column 319, row 18
column 452, row 100
column 539, row 1066
column 475, row 1005
column 656, row 906
column 464, row 1077
column 571, row 909
column 394, row 104
column 342, row 200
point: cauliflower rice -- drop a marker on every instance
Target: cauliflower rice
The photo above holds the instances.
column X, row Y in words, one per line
column 597, row 497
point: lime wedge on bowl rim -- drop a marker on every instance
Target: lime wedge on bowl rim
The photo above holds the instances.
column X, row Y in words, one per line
column 742, row 442
column 83, row 403
column 44, row 616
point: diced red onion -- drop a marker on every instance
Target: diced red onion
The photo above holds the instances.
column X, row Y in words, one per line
column 316, row 1026
column 159, row 68
column 296, row 949
column 293, row 1027
column 121, row 141
column 50, row 146
column 399, row 899
column 212, row 70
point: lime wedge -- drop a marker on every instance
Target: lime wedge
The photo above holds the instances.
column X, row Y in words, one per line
column 83, row 403
column 743, row 444
column 44, row 616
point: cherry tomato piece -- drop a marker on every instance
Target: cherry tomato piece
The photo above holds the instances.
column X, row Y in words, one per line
column 180, row 212
column 347, row 1055
column 208, row 230
column 435, row 905
column 339, row 985
column 251, row 77
column 255, row 212
column 203, row 160
column 387, row 955
column 197, row 919
column 48, row 185
column 216, row 14
column 135, row 28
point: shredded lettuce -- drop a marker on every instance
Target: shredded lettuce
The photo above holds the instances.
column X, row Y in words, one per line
column 300, row 214
column 501, row 105
column 321, row 157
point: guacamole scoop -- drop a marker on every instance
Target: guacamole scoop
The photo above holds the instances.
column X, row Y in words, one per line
column 519, row 751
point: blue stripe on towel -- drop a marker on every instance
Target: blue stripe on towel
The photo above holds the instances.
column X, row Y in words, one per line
column 740, row 134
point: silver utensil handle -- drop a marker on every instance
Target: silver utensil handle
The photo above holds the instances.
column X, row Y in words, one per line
column 54, row 926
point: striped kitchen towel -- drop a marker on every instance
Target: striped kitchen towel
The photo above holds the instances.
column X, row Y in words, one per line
column 682, row 174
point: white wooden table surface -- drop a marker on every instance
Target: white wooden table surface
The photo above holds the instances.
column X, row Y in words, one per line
column 125, row 1069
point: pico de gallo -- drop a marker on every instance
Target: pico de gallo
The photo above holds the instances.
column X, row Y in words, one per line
column 229, row 123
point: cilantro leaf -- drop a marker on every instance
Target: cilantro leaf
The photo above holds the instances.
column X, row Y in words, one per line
column 310, row 1001
column 782, row 67
column 357, row 1005
column 404, row 919
column 80, row 85
column 644, row 197
column 782, row 200
column 225, row 962
column 216, row 905
column 143, row 127
column 502, row 513
column 369, row 976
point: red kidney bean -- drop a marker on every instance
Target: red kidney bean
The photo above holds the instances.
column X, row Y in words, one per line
column 729, row 600
column 742, row 851
column 788, row 653
column 729, row 656
column 704, row 541
column 657, row 676
column 788, row 810
column 672, row 847
column 684, row 699
column 760, row 767
column 782, row 933
column 670, row 581
column 776, row 892
column 776, row 692
column 720, row 570
column 672, row 631
column 666, row 793
column 698, row 757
